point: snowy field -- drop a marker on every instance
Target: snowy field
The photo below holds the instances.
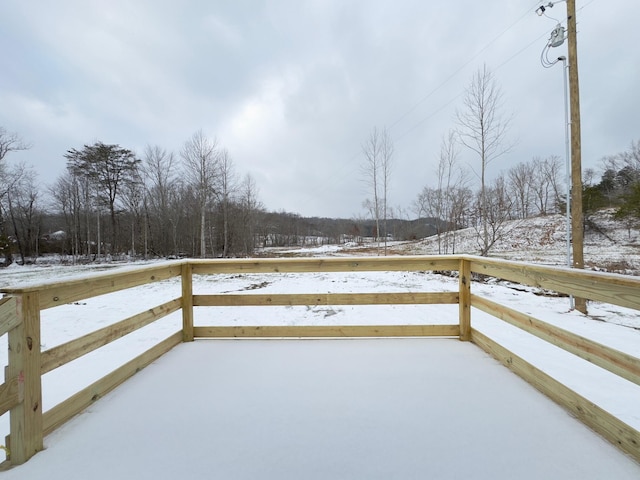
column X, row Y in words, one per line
column 613, row 326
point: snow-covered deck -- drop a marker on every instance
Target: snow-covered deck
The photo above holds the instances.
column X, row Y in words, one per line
column 326, row 409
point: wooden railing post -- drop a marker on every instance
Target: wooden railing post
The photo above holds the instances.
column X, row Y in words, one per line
column 464, row 282
column 187, row 303
column 25, row 438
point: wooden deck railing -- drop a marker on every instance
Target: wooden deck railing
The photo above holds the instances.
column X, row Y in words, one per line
column 21, row 393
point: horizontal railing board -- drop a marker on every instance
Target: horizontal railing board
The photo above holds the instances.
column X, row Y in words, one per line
column 61, row 293
column 9, row 318
column 9, row 395
column 56, row 416
column 611, row 288
column 330, row 264
column 325, row 299
column 610, row 427
column 622, row 364
column 328, row 331
column 67, row 352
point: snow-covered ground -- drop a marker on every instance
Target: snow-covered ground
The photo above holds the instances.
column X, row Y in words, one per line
column 609, row 245
column 610, row 325
column 326, row 409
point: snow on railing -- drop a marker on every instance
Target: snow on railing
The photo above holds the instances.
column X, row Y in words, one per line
column 21, row 393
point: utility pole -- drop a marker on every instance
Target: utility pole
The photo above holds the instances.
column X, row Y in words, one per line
column 557, row 38
column 577, row 224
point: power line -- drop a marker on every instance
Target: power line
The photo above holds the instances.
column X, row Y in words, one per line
column 458, row 70
column 521, row 50
column 586, row 5
column 432, row 114
column 345, row 171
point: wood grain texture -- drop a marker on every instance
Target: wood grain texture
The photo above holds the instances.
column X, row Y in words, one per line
column 187, row 302
column 24, row 364
column 8, row 314
column 227, row 300
column 613, row 429
column 67, row 409
column 328, row 264
column 20, row 317
column 622, row 364
column 314, row 331
column 464, row 285
column 622, row 290
column 67, row 352
column 60, row 293
column 10, row 395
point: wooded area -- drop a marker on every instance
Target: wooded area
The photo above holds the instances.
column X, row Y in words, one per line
column 113, row 204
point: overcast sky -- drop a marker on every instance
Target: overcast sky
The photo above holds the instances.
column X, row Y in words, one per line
column 293, row 88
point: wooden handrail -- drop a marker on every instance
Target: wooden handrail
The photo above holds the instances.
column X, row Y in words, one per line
column 20, row 318
column 9, row 318
column 74, row 349
column 622, row 364
column 53, row 294
column 397, row 298
column 621, row 290
column 329, row 331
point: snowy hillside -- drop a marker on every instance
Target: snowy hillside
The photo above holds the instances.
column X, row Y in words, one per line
column 608, row 244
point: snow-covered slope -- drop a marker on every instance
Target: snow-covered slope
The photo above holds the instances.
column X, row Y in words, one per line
column 609, row 245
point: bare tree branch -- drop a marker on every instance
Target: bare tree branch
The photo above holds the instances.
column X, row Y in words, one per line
column 11, row 142
column 483, row 129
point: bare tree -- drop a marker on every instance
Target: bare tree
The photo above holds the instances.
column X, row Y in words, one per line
column 67, row 200
column 378, row 156
column 181, row 207
column 631, row 157
column 250, row 207
column 24, row 212
column 483, row 129
column 461, row 198
column 386, row 168
column 442, row 202
column 134, row 197
column 371, row 170
column 200, row 156
column 159, row 172
column 9, row 142
column 545, row 182
column 520, row 185
column 227, row 186
column 552, row 172
column 498, row 207
column 451, row 180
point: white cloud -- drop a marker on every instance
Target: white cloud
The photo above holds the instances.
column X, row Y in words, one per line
column 293, row 88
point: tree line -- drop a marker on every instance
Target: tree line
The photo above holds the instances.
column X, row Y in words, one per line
column 530, row 188
column 619, row 184
column 109, row 203
column 112, row 203
column 481, row 126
